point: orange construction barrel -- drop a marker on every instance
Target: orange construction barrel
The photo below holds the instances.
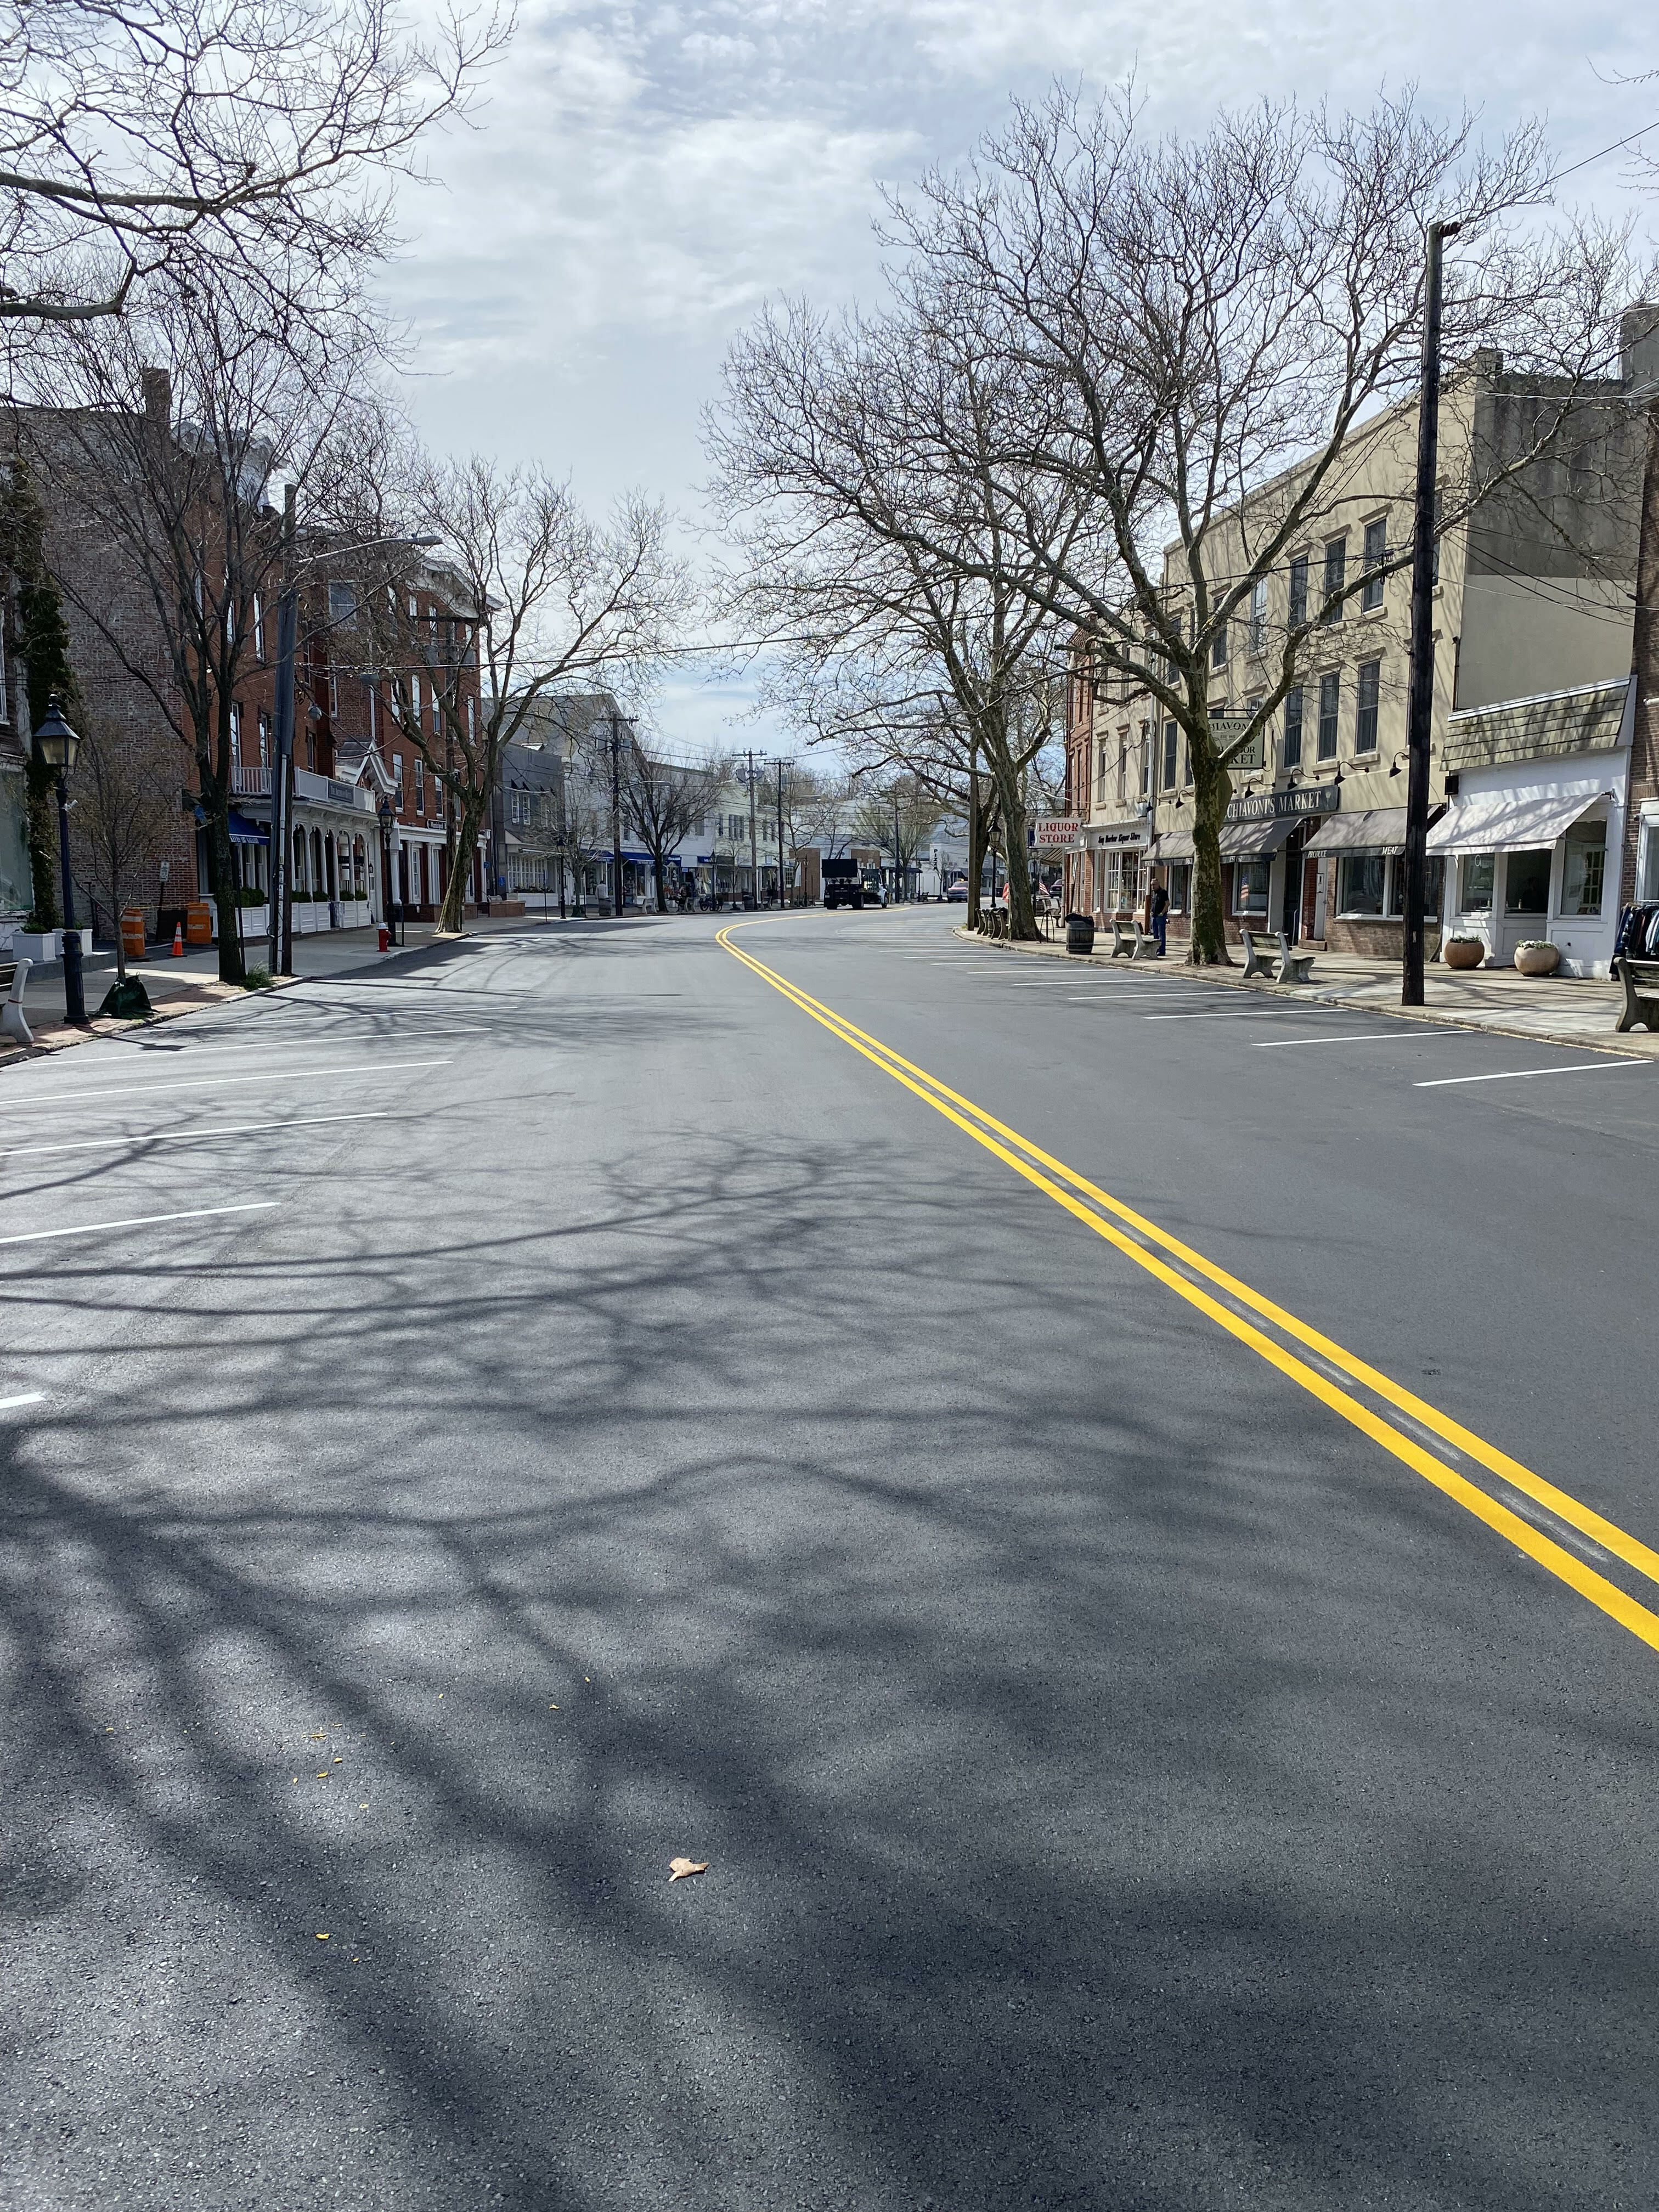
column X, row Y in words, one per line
column 132, row 932
column 198, row 922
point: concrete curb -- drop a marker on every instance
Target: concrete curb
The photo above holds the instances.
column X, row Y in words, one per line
column 1623, row 1048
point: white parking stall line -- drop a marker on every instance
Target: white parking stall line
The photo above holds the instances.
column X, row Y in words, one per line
column 201, row 1134
column 1359, row 1036
column 140, row 1221
column 1243, row 1014
column 130, row 1090
column 1515, row 1074
column 23, row 1398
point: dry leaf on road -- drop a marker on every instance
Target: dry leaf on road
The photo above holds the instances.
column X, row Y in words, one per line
column 679, row 1867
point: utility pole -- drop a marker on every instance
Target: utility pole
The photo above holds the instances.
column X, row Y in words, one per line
column 898, row 858
column 282, row 808
column 754, row 856
column 780, row 897
column 615, row 816
column 1419, row 711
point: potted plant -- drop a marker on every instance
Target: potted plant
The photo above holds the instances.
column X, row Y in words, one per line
column 1463, row 952
column 1536, row 956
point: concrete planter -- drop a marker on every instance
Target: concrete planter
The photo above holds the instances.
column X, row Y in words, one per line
column 1537, row 959
column 40, row 945
column 1462, row 952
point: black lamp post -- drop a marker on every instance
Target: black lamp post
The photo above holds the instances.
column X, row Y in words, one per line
column 58, row 746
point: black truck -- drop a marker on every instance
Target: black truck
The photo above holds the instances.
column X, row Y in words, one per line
column 843, row 883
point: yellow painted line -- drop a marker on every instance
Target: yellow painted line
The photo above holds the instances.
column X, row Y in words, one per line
column 1052, row 1177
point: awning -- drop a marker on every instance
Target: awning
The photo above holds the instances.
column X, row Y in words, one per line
column 1367, row 829
column 1501, row 822
column 244, row 832
column 1176, row 845
column 1253, row 841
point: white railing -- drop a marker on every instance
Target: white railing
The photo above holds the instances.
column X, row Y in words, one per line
column 250, row 783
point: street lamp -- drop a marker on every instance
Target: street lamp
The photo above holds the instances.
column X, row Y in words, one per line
column 58, row 746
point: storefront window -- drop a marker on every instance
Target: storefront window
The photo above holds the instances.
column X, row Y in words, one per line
column 1250, row 886
column 1178, row 881
column 1434, row 885
column 1649, row 882
column 1474, row 883
column 1362, row 883
column 1584, row 873
column 1527, row 882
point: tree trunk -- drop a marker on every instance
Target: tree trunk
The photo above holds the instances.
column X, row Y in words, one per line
column 41, row 790
column 224, row 887
column 452, row 914
column 1212, row 788
column 1022, row 919
column 656, row 877
column 976, row 841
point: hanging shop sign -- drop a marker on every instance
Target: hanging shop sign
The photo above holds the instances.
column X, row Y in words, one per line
column 1306, row 799
column 1059, row 831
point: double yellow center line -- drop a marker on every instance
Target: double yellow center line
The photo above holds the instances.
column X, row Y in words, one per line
column 1247, row 1315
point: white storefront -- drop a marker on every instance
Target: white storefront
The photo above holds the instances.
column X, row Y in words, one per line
column 1533, row 830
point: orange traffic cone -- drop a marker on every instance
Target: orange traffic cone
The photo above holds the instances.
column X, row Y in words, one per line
column 178, row 940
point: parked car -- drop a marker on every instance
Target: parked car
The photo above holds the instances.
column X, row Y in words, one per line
column 956, row 893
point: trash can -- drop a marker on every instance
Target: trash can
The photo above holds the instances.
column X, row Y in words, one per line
column 1079, row 932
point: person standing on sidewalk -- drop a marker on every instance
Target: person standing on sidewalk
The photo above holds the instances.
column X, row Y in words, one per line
column 1158, row 915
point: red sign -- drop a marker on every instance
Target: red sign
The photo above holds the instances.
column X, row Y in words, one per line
column 1057, row 832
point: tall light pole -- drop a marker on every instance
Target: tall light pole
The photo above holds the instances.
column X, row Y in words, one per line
column 615, row 816
column 780, row 897
column 58, row 746
column 754, row 849
column 1419, row 711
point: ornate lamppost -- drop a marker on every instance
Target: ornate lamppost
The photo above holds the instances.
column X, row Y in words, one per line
column 58, row 746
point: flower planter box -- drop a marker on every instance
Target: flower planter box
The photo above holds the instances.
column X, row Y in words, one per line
column 1463, row 953
column 1537, row 959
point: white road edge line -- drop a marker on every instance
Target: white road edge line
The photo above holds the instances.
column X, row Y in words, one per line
column 23, row 1398
column 1243, row 1014
column 141, row 1221
column 222, row 1082
column 1512, row 1074
column 189, row 1136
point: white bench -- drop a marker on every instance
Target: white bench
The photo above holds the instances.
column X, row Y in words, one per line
column 1293, row 967
column 14, row 974
column 1131, row 940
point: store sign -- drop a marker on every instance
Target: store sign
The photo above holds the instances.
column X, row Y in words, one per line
column 1121, row 834
column 1269, row 806
column 1056, row 832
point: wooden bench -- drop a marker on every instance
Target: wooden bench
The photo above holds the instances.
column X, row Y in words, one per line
column 1131, row 940
column 14, row 974
column 1641, row 981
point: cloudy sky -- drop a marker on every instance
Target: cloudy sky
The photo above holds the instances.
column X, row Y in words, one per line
column 641, row 177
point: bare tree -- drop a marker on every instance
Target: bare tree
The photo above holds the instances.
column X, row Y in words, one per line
column 1196, row 341
column 897, row 817
column 662, row 800
column 554, row 602
column 192, row 138
column 126, row 817
column 162, row 537
column 897, row 576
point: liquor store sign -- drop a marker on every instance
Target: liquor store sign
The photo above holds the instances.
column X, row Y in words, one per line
column 1057, row 831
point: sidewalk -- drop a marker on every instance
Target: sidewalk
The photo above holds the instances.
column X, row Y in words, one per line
column 1550, row 1009
column 191, row 982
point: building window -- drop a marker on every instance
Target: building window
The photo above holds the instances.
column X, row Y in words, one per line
column 1434, row 885
column 397, row 778
column 258, row 627
column 1171, row 761
column 1145, row 752
column 420, row 787
column 1259, row 615
column 1475, row 876
column 1370, row 690
column 265, row 741
column 1219, row 646
column 1250, row 886
column 342, row 605
column 1336, row 568
column 1298, row 591
column 1361, row 884
column 333, row 697
column 1178, row 882
column 1101, row 777
column 1376, row 552
column 236, row 732
column 1293, row 726
column 1330, row 698
column 1583, row 873
column 1527, row 882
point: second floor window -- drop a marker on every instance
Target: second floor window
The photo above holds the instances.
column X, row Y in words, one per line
column 1336, row 569
column 1218, row 648
column 1259, row 615
column 1293, row 728
column 1376, row 552
column 258, row 627
column 1370, row 693
column 1170, row 742
column 265, row 741
column 1298, row 609
column 1330, row 701
column 420, row 787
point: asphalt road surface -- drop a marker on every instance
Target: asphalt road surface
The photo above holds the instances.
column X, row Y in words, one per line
column 1130, row 1569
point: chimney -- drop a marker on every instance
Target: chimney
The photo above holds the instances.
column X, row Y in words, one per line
column 158, row 397
column 1638, row 343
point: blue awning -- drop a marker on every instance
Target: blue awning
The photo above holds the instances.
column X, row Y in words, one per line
column 244, row 832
